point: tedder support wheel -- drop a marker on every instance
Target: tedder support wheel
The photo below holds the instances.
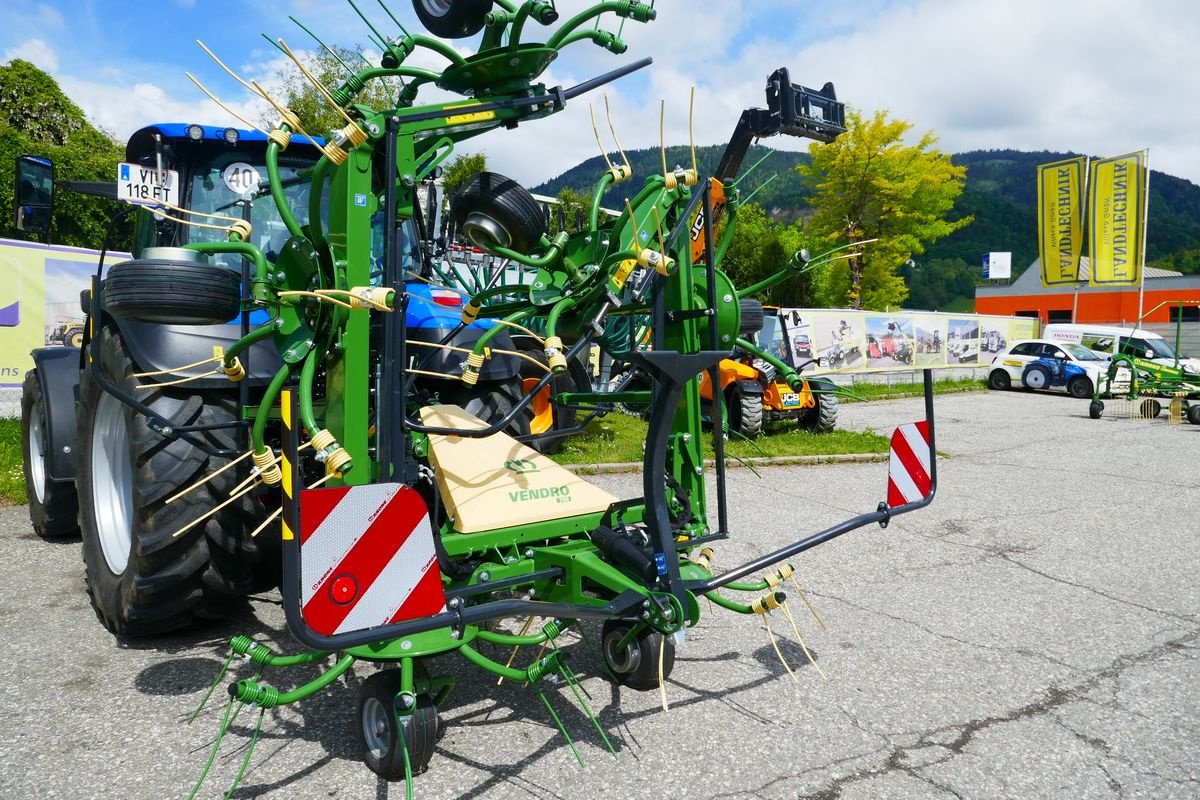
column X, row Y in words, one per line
column 999, row 380
column 173, row 292
column 491, row 210
column 1080, row 387
column 1095, row 409
column 1193, row 413
column 381, row 729
column 745, row 412
column 146, row 571
column 822, row 417
column 751, row 316
column 452, row 19
column 1150, row 409
column 53, row 505
column 636, row 666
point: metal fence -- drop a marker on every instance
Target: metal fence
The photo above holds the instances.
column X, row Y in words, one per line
column 10, row 403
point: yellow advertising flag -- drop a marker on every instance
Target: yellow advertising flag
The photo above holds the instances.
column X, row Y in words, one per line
column 1116, row 219
column 1060, row 220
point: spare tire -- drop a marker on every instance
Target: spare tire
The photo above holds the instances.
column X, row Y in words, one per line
column 452, row 19
column 492, row 210
column 173, row 292
column 752, row 316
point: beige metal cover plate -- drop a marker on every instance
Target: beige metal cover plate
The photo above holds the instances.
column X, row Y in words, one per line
column 497, row 482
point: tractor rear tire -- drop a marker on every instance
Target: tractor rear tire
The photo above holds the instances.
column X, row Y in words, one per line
column 452, row 19
column 491, row 209
column 637, row 665
column 821, row 418
column 491, row 401
column 173, row 292
column 745, row 413
column 380, row 730
column 147, row 572
column 53, row 505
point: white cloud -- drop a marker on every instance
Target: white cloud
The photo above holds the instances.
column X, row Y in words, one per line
column 36, row 52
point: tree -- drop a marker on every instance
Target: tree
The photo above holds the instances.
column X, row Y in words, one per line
column 573, row 206
column 315, row 112
column 37, row 119
column 460, row 170
column 868, row 184
column 761, row 246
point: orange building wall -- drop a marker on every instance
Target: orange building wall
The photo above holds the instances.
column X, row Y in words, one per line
column 1111, row 306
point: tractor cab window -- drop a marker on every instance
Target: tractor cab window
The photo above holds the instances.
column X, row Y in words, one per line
column 218, row 186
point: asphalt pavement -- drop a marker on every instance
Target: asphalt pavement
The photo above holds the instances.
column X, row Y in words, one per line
column 1033, row 633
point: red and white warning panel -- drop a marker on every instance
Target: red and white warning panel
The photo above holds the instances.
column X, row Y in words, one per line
column 366, row 558
column 909, row 469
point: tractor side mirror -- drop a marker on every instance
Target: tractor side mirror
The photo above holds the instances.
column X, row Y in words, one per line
column 34, row 194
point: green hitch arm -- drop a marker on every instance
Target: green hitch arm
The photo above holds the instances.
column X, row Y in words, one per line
column 264, row 695
column 439, row 47
column 259, row 432
column 606, row 39
column 742, row 586
column 285, row 211
column 241, row 345
column 536, row 671
column 263, row 656
column 541, row 12
column 551, row 630
column 726, row 603
column 316, row 192
column 307, row 373
column 624, row 8
column 556, row 311
column 552, row 254
column 798, row 265
column 261, row 275
column 492, row 333
column 594, row 212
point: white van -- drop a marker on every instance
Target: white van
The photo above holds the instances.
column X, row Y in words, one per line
column 1109, row 340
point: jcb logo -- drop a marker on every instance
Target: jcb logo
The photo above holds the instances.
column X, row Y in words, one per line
column 520, row 466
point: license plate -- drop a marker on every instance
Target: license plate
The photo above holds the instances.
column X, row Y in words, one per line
column 146, row 185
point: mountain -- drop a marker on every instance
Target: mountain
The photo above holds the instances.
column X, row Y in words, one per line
column 1001, row 193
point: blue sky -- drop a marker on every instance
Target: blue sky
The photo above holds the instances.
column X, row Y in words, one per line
column 1094, row 76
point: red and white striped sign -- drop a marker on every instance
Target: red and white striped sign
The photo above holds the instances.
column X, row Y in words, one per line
column 366, row 558
column 909, row 468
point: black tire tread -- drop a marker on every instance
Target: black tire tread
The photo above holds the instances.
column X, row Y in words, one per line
column 56, row 516
column 507, row 201
column 746, row 413
column 170, row 582
column 644, row 676
column 422, row 734
column 822, row 417
column 752, row 316
column 173, row 292
column 464, row 18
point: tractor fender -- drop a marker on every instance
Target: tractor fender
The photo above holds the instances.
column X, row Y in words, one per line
column 752, row 387
column 155, row 346
column 58, row 374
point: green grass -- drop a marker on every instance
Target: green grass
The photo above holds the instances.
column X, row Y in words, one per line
column 882, row 391
column 12, row 478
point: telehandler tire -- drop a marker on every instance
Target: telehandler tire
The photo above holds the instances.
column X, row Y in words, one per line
column 147, row 572
column 822, row 417
column 745, row 413
column 53, row 505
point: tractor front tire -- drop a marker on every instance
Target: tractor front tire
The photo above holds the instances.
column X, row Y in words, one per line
column 150, row 565
column 53, row 505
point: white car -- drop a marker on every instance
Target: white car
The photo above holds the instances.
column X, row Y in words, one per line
column 1042, row 364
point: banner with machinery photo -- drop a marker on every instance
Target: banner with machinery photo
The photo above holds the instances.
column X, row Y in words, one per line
column 848, row 341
